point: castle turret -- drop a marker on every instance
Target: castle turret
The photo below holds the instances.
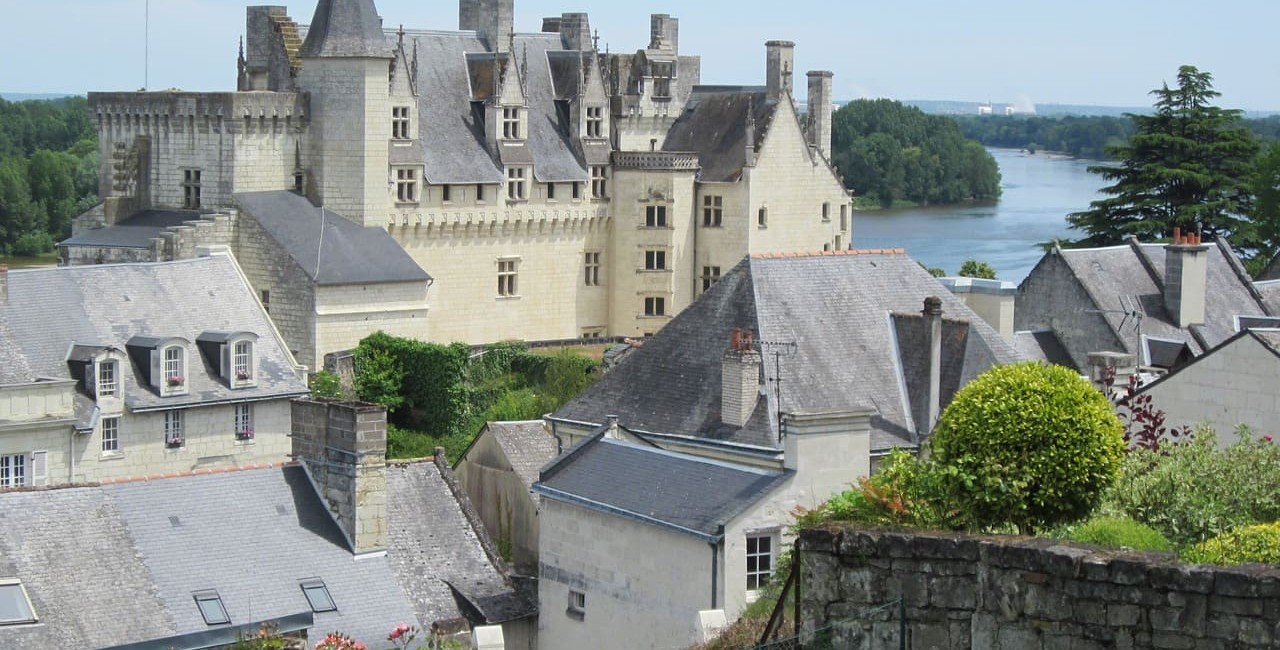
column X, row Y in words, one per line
column 779, row 68
column 345, row 66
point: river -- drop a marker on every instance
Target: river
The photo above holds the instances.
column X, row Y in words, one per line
column 1038, row 193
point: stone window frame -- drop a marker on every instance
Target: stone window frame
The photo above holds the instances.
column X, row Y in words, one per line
column 517, row 183
column 174, row 430
column 173, row 369
column 712, row 211
column 655, row 260
column 111, row 436
column 401, row 123
column 591, row 268
column 844, row 217
column 508, row 274
column 710, row 276
column 512, row 129
column 551, row 192
column 655, row 216
column 577, row 607
column 826, row 212
column 242, row 422
column 595, row 121
column 655, row 306
column 599, row 181
column 191, row 181
column 755, row 573
column 406, row 180
column 762, row 217
column 242, row 362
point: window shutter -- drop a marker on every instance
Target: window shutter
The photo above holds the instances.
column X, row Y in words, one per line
column 39, row 468
column 227, row 370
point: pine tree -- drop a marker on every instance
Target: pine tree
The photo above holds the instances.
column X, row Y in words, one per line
column 1187, row 165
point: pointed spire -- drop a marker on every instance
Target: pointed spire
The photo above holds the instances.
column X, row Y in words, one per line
column 345, row 29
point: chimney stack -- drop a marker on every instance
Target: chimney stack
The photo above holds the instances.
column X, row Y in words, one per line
column 664, row 33
column 1119, row 365
column 4, row 284
column 779, row 68
column 739, row 379
column 494, row 21
column 1186, row 263
column 933, row 326
column 575, row 31
column 820, row 111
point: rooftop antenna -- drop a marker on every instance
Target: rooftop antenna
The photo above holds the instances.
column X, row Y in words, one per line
column 778, row 349
column 1131, row 308
column 316, row 275
column 146, row 46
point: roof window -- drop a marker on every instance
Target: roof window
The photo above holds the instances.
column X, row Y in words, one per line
column 211, row 608
column 15, row 607
column 318, row 595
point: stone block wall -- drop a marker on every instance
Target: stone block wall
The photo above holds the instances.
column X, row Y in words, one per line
column 1013, row 593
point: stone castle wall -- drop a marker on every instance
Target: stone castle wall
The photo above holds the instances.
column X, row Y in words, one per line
column 1013, row 593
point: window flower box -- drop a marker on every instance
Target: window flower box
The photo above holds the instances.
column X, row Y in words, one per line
column 175, row 380
column 244, row 434
column 174, row 442
column 243, row 375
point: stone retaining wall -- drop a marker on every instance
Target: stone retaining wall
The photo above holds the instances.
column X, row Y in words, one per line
column 1016, row 593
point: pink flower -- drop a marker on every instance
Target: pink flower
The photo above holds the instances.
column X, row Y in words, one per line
column 1267, row 438
column 400, row 631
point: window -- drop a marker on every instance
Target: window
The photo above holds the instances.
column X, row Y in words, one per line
column 299, row 182
column 654, row 306
column 712, row 211
column 266, row 300
column 13, row 470
column 710, row 276
column 844, row 218
column 444, row 193
column 191, row 189
column 577, row 190
column 479, row 193
column 515, row 183
column 595, row 121
column 407, row 185
column 759, row 561
column 318, row 595
column 241, row 360
column 211, row 608
column 244, row 421
column 593, row 269
column 577, row 605
column 655, row 216
column 592, row 334
column 108, row 385
column 655, row 260
column 174, row 376
column 110, row 434
column 507, row 278
column 15, row 606
column 826, row 212
column 511, row 123
column 663, row 73
column 551, row 191
column 599, row 183
column 400, row 122
column 762, row 218
column 173, row 436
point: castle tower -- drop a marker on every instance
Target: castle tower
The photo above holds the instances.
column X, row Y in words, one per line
column 779, row 68
column 345, row 65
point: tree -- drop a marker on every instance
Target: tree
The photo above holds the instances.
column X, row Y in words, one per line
column 1027, row 445
column 1265, row 186
column 1185, row 166
column 976, row 269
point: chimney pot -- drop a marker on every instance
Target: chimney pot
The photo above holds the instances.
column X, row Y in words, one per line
column 933, row 306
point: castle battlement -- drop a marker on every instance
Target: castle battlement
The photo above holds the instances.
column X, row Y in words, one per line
column 115, row 108
column 656, row 160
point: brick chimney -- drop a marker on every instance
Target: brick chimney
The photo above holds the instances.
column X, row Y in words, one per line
column 739, row 379
column 933, row 326
column 819, row 109
column 343, row 446
column 779, row 68
column 4, row 284
column 1186, row 262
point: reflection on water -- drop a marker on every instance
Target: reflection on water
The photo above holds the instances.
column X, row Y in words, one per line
column 1038, row 194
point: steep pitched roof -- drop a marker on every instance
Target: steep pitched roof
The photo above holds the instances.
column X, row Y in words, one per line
column 1043, row 346
column 348, row 253
column 345, row 28
column 135, row 232
column 836, row 308
column 718, row 123
column 689, row 494
column 1270, row 292
column 527, row 445
column 111, row 305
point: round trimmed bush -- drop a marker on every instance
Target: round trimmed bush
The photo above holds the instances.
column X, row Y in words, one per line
column 1259, row 543
column 1120, row 532
column 1027, row 445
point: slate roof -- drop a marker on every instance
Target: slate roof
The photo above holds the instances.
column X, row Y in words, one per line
column 135, row 232
column 1270, row 292
column 837, row 308
column 351, row 254
column 50, row 311
column 717, row 123
column 1268, row 338
column 1042, row 346
column 527, row 445
column 345, row 28
column 689, row 494
column 136, row 552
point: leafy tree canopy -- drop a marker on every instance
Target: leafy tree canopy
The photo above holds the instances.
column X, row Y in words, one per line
column 977, row 269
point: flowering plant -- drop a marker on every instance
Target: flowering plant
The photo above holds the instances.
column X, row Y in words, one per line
column 403, row 635
column 245, row 434
column 175, row 380
column 339, row 641
column 176, row 441
column 243, row 375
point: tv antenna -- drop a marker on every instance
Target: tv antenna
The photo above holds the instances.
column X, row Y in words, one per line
column 1133, row 314
column 778, row 349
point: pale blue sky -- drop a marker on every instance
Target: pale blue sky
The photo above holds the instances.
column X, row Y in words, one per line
column 1108, row 52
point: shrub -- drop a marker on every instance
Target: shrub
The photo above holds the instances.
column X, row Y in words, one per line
column 1027, row 445
column 976, row 269
column 905, row 492
column 32, row 244
column 1118, row 531
column 326, row 385
column 1260, row 543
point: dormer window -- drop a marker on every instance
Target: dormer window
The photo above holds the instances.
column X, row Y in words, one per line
column 242, row 356
column 400, row 123
column 231, row 354
column 595, row 121
column 108, row 379
column 511, row 124
column 175, row 368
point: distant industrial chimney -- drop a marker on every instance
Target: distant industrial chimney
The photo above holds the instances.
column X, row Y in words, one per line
column 933, row 326
column 739, row 379
column 1186, row 262
column 819, row 110
column 779, row 68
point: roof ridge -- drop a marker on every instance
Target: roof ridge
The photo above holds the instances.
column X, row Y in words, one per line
column 199, row 472
column 837, row 253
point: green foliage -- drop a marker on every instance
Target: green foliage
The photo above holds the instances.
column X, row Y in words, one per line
column 379, row 377
column 48, row 170
column 326, row 385
column 1185, row 166
column 1119, row 532
column 1079, row 136
column 1259, row 543
column 425, row 381
column 906, row 491
column 1194, row 490
column 1027, row 445
column 896, row 153
column 1264, row 226
column 976, row 269
column 933, row 270
column 31, row 244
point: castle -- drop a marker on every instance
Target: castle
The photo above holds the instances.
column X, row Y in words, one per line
column 550, row 190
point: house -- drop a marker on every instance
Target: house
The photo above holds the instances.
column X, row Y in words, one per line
column 1165, row 304
column 552, row 190
column 497, row 471
column 339, row 541
column 136, row 369
column 781, row 385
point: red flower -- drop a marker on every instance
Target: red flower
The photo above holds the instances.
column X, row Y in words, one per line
column 1267, row 438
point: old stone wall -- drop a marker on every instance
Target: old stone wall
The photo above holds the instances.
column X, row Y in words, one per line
column 1027, row 594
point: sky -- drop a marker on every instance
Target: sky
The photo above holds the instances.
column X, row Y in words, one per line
column 1101, row 52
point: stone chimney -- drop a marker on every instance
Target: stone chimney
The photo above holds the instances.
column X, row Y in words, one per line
column 575, row 31
column 1186, row 264
column 933, row 326
column 820, row 111
column 779, row 68
column 664, row 33
column 495, row 24
column 343, row 446
column 992, row 300
column 469, row 15
column 1121, row 366
column 828, row 449
column 4, row 284
column 739, row 379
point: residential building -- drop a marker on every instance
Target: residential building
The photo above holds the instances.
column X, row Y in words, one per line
column 552, row 190
column 139, row 369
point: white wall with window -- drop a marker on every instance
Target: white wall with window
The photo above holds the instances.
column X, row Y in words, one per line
column 512, row 127
column 174, row 433
column 406, row 179
column 517, row 183
column 508, row 277
column 110, row 435
column 599, row 181
column 243, row 422
column 401, row 125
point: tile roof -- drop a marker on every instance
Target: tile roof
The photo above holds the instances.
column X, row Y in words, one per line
column 693, row 495
column 135, row 232
column 109, row 305
column 348, row 253
column 838, row 311
column 345, row 28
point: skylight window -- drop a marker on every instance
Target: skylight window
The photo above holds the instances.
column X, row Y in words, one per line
column 318, row 595
column 15, row 607
column 211, row 608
